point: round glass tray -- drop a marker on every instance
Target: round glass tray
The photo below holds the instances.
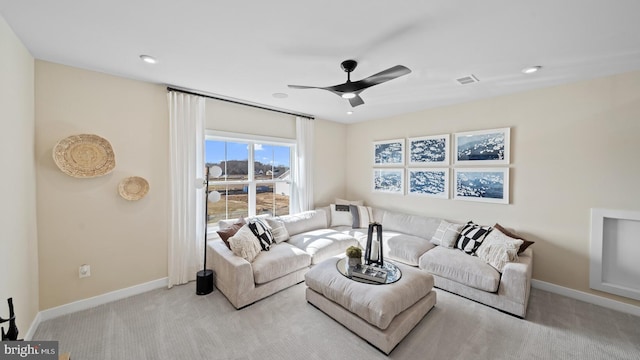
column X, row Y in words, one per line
column 393, row 272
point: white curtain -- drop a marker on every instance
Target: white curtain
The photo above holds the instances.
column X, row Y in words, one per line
column 302, row 191
column 186, row 222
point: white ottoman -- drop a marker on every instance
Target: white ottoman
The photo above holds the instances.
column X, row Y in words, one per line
column 381, row 314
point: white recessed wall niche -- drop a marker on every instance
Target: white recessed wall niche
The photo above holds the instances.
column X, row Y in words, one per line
column 615, row 247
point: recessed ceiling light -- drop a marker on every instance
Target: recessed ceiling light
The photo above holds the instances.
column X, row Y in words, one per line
column 531, row 69
column 280, row 95
column 349, row 112
column 148, row 59
column 348, row 95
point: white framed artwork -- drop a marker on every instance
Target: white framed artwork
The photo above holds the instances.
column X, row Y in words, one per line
column 485, row 147
column 388, row 153
column 489, row 185
column 431, row 182
column 389, row 181
column 428, row 150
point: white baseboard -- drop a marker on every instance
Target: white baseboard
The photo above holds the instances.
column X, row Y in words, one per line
column 84, row 304
column 586, row 297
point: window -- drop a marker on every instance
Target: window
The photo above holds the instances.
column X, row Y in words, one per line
column 255, row 178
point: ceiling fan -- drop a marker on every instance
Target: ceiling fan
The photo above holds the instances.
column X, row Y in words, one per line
column 351, row 89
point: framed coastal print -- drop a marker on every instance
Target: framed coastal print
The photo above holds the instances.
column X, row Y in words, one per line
column 388, row 153
column 482, row 184
column 432, row 182
column 388, row 181
column 485, row 147
column 429, row 150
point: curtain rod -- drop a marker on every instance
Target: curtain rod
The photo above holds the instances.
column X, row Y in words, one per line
column 169, row 88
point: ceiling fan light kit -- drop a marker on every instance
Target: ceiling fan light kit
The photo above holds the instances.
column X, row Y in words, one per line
column 351, row 89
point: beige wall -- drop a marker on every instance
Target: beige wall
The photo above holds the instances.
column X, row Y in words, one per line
column 85, row 221
column 330, row 148
column 18, row 239
column 573, row 147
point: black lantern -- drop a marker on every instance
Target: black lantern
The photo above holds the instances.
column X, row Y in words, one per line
column 373, row 250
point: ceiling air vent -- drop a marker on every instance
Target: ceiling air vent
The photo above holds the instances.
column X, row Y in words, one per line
column 467, row 79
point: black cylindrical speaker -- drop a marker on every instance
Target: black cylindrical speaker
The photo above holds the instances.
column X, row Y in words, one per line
column 204, row 282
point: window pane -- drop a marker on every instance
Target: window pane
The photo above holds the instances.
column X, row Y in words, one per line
column 271, row 161
column 272, row 198
column 231, row 157
column 233, row 203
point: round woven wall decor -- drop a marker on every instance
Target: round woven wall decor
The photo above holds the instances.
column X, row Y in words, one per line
column 133, row 188
column 84, row 156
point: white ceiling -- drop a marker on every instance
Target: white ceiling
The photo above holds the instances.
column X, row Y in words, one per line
column 249, row 50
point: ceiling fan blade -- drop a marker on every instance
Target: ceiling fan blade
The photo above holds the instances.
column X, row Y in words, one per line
column 304, row 87
column 356, row 101
column 381, row 77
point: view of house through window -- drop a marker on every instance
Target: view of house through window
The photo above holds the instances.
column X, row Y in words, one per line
column 255, row 179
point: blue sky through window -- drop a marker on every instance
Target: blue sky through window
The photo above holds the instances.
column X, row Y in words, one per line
column 264, row 153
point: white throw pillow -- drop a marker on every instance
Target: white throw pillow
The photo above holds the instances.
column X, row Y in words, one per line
column 341, row 215
column 349, row 202
column 498, row 249
column 361, row 215
column 447, row 234
column 244, row 244
column 278, row 230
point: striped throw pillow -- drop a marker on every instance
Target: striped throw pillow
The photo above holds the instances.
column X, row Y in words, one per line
column 263, row 232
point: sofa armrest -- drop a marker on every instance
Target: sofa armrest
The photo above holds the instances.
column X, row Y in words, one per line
column 233, row 274
column 515, row 282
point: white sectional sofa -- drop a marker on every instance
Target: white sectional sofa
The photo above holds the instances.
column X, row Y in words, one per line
column 406, row 239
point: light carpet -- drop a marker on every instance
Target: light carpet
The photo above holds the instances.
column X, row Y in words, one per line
column 178, row 324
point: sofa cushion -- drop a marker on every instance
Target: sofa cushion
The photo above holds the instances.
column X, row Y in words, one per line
column 304, row 221
column 404, row 248
column 244, row 244
column 361, row 216
column 262, row 231
column 498, row 249
column 278, row 230
column 447, row 234
column 322, row 243
column 525, row 243
column 471, row 236
column 228, row 232
column 415, row 225
column 455, row 265
column 341, row 215
column 281, row 260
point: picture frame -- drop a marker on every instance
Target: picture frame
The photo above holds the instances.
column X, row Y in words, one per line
column 388, row 152
column 387, row 180
column 430, row 150
column 430, row 182
column 484, row 147
column 490, row 185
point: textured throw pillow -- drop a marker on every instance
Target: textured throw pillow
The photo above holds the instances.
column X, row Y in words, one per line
column 341, row 215
column 278, row 230
column 525, row 243
column 349, row 202
column 361, row 216
column 498, row 249
column 229, row 231
column 471, row 236
column 244, row 244
column 262, row 231
column 447, row 234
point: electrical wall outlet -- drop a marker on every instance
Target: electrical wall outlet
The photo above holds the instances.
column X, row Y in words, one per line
column 84, row 270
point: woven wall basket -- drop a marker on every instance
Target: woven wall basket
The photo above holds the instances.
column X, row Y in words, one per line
column 133, row 188
column 84, row 156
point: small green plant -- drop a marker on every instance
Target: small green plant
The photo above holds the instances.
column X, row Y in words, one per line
column 354, row 252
